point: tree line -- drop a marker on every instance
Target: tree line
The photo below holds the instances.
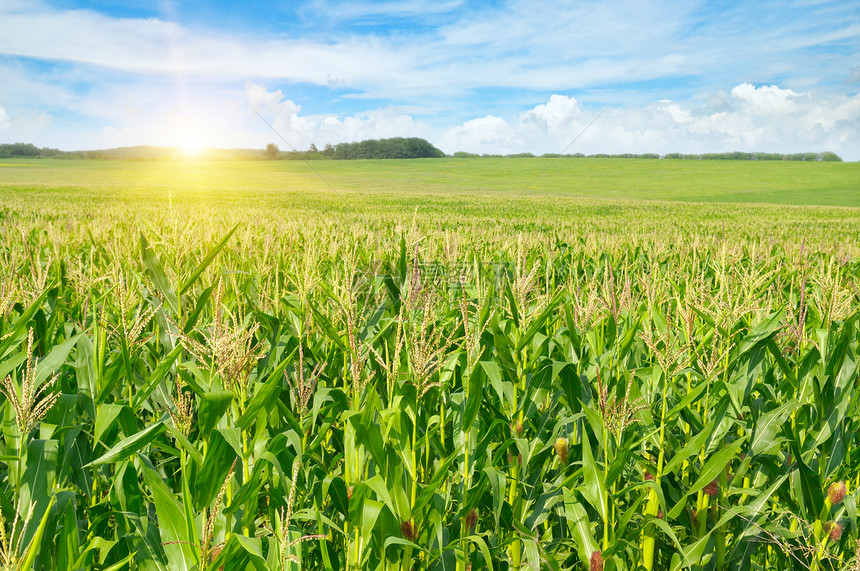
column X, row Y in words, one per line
column 393, row 148
column 8, row 150
column 740, row 156
column 730, row 156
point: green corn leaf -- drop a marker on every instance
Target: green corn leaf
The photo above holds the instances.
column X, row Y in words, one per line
column 85, row 373
column 579, row 526
column 106, row 415
column 124, row 563
column 130, row 445
column 9, row 365
column 213, row 405
column 667, row 530
column 55, row 359
column 692, row 553
column 474, row 396
column 753, row 511
column 329, row 329
column 68, row 542
column 185, row 444
column 206, row 261
column 769, row 424
column 504, row 389
column 369, row 513
column 716, row 464
column 156, row 274
column 402, row 263
column 155, row 378
column 810, row 485
column 498, row 483
column 35, row 542
column 265, row 393
column 216, row 464
column 378, row 485
column 515, row 311
column 764, row 329
column 178, row 543
column 191, row 319
column 240, row 552
column 442, row 472
column 594, row 489
column 541, row 320
column 481, row 544
column 399, row 541
column 18, row 331
column 38, row 483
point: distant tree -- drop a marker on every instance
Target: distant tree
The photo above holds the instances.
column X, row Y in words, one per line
column 313, row 149
column 395, row 148
column 272, row 151
column 828, row 156
column 19, row 150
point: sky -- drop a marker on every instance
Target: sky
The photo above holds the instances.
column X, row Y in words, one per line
column 501, row 76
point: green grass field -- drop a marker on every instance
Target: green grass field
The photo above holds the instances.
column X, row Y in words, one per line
column 510, row 364
column 774, row 182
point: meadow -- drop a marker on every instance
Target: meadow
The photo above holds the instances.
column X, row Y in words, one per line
column 431, row 364
column 774, row 182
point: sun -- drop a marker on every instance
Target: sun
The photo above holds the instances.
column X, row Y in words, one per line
column 191, row 146
column 185, row 133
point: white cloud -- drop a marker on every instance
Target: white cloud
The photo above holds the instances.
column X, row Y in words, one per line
column 764, row 118
column 269, row 102
column 155, row 46
column 767, row 100
column 364, row 10
column 301, row 130
column 28, row 126
column 531, row 44
column 479, row 135
column 749, row 118
column 555, row 113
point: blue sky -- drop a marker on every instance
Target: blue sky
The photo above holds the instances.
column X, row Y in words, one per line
column 500, row 76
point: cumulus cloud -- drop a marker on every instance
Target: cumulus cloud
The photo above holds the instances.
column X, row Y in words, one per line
column 748, row 118
column 478, row 135
column 767, row 100
column 29, row 125
column 745, row 117
column 301, row 130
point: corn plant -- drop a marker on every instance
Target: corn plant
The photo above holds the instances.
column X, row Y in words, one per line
column 184, row 388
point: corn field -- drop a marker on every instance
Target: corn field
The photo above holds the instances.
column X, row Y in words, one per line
column 203, row 383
